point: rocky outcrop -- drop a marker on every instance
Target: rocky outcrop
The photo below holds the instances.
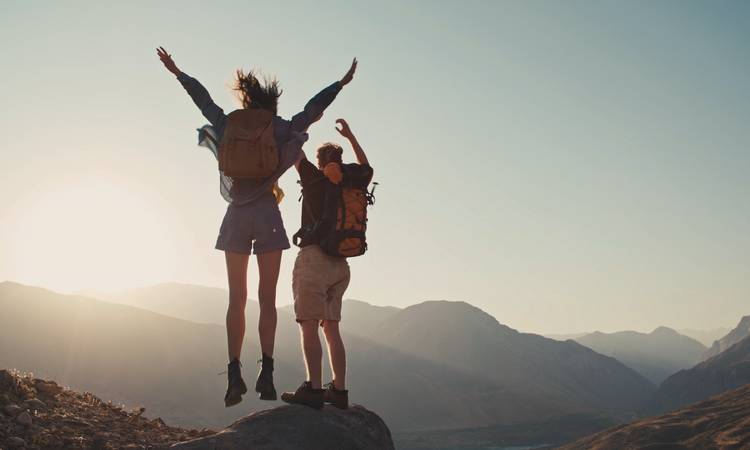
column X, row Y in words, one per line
column 740, row 332
column 301, row 428
column 720, row 423
column 40, row 414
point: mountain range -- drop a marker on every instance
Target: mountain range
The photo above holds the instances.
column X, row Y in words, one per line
column 740, row 332
column 435, row 365
column 725, row 371
column 655, row 355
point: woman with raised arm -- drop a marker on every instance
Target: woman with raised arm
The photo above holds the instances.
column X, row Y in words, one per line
column 252, row 223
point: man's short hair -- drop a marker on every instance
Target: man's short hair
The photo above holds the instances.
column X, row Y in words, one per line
column 329, row 152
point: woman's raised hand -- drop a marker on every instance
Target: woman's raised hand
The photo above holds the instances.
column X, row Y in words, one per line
column 166, row 59
column 349, row 74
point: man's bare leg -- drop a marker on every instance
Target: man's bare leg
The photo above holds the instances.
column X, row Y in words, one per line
column 336, row 353
column 313, row 352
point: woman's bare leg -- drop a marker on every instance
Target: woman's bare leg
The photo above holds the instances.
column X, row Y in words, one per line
column 269, row 264
column 237, row 277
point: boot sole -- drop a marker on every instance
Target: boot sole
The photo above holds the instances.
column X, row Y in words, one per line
column 235, row 397
column 304, row 404
column 266, row 392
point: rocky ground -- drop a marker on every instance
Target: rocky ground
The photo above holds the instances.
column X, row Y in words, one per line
column 40, row 414
column 720, row 423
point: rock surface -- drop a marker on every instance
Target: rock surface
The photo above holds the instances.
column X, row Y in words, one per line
column 300, row 428
column 721, row 423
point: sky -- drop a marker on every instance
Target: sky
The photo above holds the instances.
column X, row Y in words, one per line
column 565, row 166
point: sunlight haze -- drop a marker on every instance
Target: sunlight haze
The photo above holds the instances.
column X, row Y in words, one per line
column 565, row 169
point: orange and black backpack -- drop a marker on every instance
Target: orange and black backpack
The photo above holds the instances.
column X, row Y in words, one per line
column 341, row 230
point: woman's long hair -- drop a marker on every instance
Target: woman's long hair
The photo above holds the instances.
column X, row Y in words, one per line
column 255, row 94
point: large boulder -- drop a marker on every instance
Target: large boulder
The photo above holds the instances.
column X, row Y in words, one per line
column 302, row 428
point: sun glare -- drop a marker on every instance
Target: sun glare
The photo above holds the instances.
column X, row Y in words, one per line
column 94, row 233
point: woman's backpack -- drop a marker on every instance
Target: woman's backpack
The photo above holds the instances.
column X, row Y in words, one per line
column 248, row 147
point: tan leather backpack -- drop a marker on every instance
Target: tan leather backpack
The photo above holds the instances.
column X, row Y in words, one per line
column 248, row 147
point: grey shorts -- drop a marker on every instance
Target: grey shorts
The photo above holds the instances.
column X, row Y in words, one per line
column 256, row 227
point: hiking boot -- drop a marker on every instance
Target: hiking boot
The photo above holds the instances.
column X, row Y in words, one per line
column 305, row 395
column 337, row 397
column 264, row 385
column 236, row 385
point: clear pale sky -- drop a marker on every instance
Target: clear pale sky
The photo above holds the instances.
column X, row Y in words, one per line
column 566, row 166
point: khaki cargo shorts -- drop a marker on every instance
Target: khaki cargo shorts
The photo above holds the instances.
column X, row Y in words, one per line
column 318, row 283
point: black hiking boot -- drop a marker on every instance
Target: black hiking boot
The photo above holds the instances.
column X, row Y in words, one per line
column 236, row 385
column 337, row 397
column 264, row 385
column 305, row 395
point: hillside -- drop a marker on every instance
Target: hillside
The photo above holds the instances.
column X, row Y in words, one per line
column 720, row 423
column 467, row 339
column 654, row 355
column 38, row 413
column 740, row 332
column 725, row 371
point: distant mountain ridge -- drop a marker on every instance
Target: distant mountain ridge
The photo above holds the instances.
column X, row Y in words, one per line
column 707, row 336
column 725, row 371
column 466, row 338
column 654, row 355
column 170, row 365
column 740, row 332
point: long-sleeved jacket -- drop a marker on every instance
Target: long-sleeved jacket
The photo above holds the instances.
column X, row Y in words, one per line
column 289, row 135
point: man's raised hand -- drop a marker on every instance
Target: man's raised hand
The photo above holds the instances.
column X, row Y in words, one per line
column 344, row 130
column 166, row 59
column 349, row 74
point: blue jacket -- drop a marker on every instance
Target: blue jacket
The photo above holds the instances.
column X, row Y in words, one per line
column 289, row 135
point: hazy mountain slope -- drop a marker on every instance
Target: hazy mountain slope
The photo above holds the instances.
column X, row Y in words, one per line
column 564, row 337
column 209, row 305
column 124, row 354
column 740, row 332
column 184, row 301
column 727, row 370
column 705, row 337
column 470, row 340
column 720, row 423
column 655, row 355
column 359, row 318
column 170, row 366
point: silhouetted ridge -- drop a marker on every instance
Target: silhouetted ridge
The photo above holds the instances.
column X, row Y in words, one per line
column 721, row 423
column 655, row 355
column 727, row 370
column 740, row 332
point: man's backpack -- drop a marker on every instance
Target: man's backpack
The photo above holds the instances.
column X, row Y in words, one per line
column 341, row 231
column 248, row 147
